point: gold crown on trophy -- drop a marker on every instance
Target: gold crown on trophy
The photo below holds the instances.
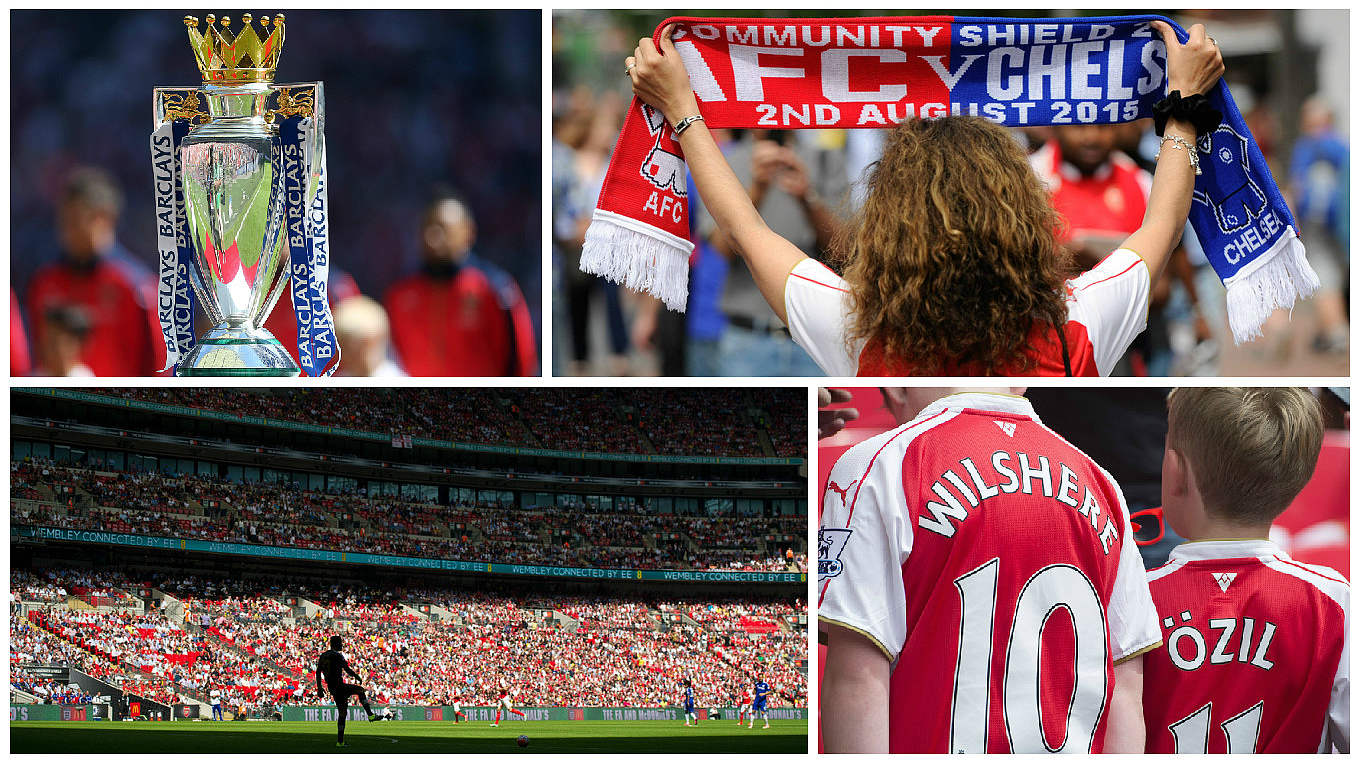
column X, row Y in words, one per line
column 247, row 57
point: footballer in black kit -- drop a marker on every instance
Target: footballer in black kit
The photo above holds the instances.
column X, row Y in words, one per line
column 331, row 666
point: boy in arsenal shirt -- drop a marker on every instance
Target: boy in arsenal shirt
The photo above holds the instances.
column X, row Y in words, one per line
column 980, row 588
column 1257, row 649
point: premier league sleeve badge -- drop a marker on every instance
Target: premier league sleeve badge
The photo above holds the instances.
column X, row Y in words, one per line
column 830, row 543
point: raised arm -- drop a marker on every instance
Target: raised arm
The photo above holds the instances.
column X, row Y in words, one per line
column 660, row 80
column 1193, row 69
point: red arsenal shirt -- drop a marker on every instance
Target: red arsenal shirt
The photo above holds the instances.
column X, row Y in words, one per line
column 1256, row 656
column 473, row 324
column 118, row 295
column 994, row 563
column 1110, row 203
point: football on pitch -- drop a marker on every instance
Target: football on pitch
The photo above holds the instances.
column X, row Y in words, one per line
column 522, row 741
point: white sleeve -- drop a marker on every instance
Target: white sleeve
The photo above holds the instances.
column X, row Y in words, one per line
column 863, row 541
column 1111, row 301
column 1133, row 615
column 817, row 303
column 1338, row 737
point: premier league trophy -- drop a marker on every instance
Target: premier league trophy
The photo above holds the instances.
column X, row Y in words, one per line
column 241, row 209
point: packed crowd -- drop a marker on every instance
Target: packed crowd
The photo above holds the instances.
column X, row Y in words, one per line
column 676, row 421
column 30, row 643
column 275, row 514
column 49, row 691
column 240, row 637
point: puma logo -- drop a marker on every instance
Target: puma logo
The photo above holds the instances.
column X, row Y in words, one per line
column 842, row 492
column 1006, row 427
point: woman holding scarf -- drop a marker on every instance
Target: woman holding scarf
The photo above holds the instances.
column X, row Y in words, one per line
column 952, row 266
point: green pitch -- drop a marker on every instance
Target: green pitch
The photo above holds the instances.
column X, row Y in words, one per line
column 784, row 736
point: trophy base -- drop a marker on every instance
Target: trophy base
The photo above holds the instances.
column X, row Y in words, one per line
column 228, row 351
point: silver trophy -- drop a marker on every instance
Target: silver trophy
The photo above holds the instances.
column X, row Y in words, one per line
column 232, row 177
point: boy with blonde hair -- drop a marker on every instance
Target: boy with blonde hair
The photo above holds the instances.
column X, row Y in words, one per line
column 1257, row 644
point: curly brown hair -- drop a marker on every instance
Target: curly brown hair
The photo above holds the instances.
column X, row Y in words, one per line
column 953, row 259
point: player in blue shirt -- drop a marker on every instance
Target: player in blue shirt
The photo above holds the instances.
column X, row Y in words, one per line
column 762, row 693
column 689, row 704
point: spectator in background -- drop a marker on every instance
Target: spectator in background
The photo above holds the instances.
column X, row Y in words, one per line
column 795, row 184
column 64, row 331
column 1101, row 194
column 459, row 316
column 592, row 142
column 365, row 336
column 95, row 273
column 1319, row 174
column 19, row 361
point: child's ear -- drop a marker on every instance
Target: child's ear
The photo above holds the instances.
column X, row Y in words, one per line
column 1174, row 473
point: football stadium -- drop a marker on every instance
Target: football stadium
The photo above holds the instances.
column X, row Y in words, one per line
column 556, row 570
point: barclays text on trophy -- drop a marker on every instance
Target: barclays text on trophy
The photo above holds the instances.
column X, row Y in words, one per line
column 240, row 176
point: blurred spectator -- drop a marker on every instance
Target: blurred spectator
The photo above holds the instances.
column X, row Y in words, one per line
column 1099, row 192
column 19, row 361
column 797, row 181
column 1101, row 196
column 460, row 316
column 116, row 292
column 592, row 137
column 364, row 333
column 64, row 331
column 1319, row 175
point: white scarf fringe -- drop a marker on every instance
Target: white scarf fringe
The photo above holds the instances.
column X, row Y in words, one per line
column 638, row 257
column 1276, row 280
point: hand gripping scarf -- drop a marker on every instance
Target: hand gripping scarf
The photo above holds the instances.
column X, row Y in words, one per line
column 873, row 72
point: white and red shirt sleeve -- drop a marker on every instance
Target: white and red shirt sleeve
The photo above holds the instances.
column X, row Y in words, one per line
column 1133, row 616
column 817, row 304
column 866, row 536
column 1111, row 302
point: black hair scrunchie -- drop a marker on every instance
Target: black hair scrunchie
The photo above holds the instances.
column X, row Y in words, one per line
column 1194, row 109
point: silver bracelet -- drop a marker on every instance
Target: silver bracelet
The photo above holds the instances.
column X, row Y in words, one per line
column 1183, row 144
column 685, row 123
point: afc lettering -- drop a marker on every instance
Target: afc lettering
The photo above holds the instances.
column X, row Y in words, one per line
column 664, row 206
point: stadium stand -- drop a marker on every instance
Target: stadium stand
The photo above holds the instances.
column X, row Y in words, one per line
column 281, row 515
column 197, row 632
column 678, row 421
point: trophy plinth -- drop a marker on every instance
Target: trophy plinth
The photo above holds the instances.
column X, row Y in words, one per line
column 238, row 350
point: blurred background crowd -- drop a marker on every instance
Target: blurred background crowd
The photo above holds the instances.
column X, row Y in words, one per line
column 1288, row 71
column 433, row 129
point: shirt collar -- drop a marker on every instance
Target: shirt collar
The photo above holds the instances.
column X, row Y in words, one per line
column 983, row 402
column 1261, row 548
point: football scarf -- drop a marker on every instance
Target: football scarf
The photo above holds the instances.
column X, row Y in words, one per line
column 870, row 73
